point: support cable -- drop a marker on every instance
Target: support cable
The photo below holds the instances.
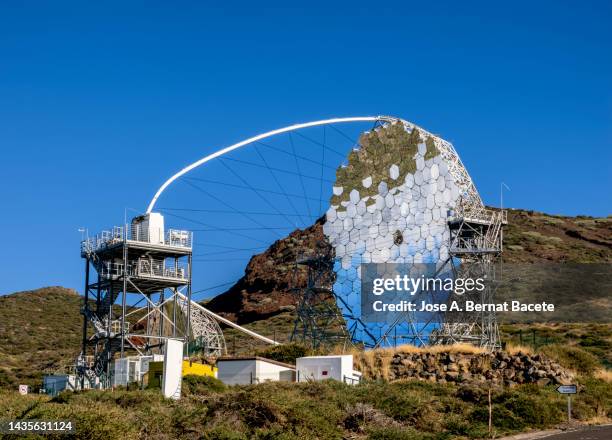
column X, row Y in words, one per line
column 320, row 144
column 224, row 203
column 299, row 172
column 280, row 170
column 216, row 229
column 234, row 185
column 239, row 177
column 263, row 159
column 297, row 156
column 220, row 211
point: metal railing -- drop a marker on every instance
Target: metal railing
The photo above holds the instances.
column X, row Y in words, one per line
column 135, row 232
column 116, row 327
column 480, row 214
column 146, row 268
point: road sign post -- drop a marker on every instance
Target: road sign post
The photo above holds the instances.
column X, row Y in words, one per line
column 569, row 390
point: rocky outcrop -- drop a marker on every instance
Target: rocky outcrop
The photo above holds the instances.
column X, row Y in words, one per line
column 272, row 279
column 499, row 368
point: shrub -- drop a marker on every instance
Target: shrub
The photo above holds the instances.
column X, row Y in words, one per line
column 603, row 374
column 571, row 357
column 223, row 433
column 593, row 400
column 287, row 353
column 63, row 397
column 396, row 433
column 194, row 385
column 132, row 399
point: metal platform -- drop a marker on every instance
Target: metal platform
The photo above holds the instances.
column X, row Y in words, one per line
column 149, row 266
column 476, row 244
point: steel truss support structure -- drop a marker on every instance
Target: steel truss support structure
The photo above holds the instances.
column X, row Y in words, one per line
column 135, row 303
column 413, row 330
column 476, row 241
column 320, row 321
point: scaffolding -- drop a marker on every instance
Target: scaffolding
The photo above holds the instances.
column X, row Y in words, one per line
column 137, row 296
column 476, row 243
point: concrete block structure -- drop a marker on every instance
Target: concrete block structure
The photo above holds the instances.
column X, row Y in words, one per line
column 337, row 367
column 250, row 370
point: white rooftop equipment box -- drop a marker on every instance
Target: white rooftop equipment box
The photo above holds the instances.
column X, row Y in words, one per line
column 338, row 367
column 248, row 370
column 148, row 228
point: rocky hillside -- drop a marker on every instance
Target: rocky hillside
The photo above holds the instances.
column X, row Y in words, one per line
column 271, row 278
column 534, row 237
column 531, row 237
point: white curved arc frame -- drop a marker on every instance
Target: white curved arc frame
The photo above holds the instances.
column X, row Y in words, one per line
column 260, row 137
column 457, row 169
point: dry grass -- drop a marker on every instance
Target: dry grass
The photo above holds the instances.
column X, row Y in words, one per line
column 516, row 349
column 454, row 348
column 375, row 364
column 598, row 420
column 603, row 374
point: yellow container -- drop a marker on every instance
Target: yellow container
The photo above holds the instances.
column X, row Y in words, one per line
column 156, row 371
column 198, row 369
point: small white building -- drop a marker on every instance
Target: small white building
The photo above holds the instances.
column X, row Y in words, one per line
column 130, row 369
column 327, row 367
column 249, row 370
column 54, row 384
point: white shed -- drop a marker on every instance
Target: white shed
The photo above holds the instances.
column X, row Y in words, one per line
column 131, row 369
column 54, row 384
column 248, row 370
column 327, row 367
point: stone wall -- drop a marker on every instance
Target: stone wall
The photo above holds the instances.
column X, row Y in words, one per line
column 499, row 368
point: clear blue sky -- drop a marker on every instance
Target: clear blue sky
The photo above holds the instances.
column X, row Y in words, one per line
column 99, row 103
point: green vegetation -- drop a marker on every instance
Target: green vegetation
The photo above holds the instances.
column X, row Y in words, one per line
column 374, row 409
column 329, row 410
column 39, row 331
column 579, row 346
column 432, row 149
column 287, row 353
column 537, row 237
column 572, row 358
column 194, row 385
column 379, row 149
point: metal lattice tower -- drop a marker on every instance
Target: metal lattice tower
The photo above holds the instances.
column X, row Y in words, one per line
column 207, row 335
column 152, row 268
column 319, row 321
column 476, row 240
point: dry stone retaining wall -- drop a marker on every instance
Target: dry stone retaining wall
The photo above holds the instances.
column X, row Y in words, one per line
column 499, row 367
